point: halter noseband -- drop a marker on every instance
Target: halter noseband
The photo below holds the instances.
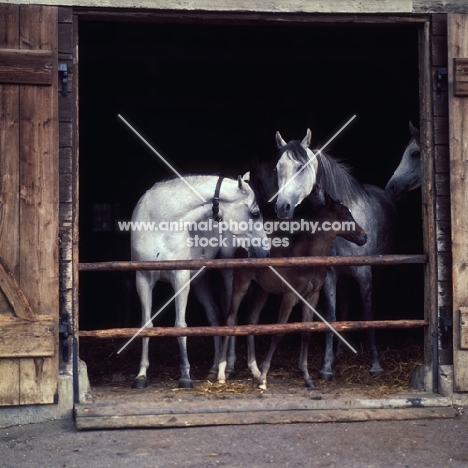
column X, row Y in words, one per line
column 215, row 207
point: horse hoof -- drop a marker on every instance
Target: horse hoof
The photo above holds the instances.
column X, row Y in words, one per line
column 326, row 376
column 309, row 384
column 140, row 383
column 231, row 373
column 376, row 372
column 212, row 375
column 222, row 381
column 185, row 383
column 262, row 384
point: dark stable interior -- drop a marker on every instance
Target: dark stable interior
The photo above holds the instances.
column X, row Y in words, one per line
column 209, row 98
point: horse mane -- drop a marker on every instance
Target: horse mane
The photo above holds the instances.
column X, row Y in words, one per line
column 336, row 179
column 297, row 150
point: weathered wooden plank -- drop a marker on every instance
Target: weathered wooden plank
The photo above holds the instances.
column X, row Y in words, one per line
column 26, row 67
column 464, row 327
column 38, row 237
column 427, row 179
column 460, row 80
column 122, row 406
column 458, row 111
column 9, row 154
column 9, row 383
column 39, row 171
column 14, row 294
column 219, row 264
column 38, row 380
column 244, row 330
column 36, row 338
column 263, row 417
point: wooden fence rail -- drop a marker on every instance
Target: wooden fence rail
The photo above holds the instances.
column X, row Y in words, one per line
column 219, row 264
column 243, row 330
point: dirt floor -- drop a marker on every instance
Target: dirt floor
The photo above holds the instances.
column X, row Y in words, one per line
column 420, row 443
column 433, row 442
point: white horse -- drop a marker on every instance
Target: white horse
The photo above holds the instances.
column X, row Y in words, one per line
column 407, row 175
column 186, row 227
column 302, row 175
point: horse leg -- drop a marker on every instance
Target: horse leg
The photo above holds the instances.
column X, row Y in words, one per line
column 145, row 281
column 288, row 302
column 180, row 279
column 329, row 297
column 257, row 303
column 228, row 277
column 240, row 287
column 205, row 296
column 307, row 316
column 365, row 287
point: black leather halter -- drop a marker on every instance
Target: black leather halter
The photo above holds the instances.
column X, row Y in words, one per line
column 215, row 207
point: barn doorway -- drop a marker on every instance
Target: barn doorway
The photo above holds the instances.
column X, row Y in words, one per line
column 210, row 97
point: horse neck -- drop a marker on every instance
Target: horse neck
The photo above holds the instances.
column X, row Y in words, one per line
column 312, row 245
column 336, row 179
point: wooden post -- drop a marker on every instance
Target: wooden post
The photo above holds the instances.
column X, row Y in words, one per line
column 458, row 112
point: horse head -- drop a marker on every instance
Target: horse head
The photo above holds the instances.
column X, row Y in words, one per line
column 242, row 219
column 340, row 219
column 296, row 171
column 407, row 175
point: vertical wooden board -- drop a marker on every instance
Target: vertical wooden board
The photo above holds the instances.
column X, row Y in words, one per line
column 9, row 154
column 428, row 192
column 458, row 112
column 39, row 199
column 39, row 170
column 9, row 383
column 38, row 380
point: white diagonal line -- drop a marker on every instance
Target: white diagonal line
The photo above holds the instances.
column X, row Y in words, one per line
column 149, row 322
column 311, row 159
column 162, row 159
column 313, row 310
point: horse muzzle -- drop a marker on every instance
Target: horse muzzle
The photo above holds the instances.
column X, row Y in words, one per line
column 284, row 210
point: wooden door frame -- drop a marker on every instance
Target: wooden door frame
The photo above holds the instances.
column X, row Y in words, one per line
column 427, row 90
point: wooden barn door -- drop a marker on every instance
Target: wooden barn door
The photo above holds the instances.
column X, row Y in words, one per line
column 458, row 111
column 28, row 205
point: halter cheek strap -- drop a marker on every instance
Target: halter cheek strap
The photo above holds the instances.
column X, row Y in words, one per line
column 215, row 207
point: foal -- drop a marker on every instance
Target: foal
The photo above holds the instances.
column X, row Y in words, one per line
column 307, row 281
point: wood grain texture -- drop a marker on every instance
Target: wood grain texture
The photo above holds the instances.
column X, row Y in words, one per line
column 9, row 155
column 37, row 338
column 14, row 294
column 458, row 112
column 26, row 66
column 244, row 330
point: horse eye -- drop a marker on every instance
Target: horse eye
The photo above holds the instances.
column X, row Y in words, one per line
column 256, row 214
column 416, row 154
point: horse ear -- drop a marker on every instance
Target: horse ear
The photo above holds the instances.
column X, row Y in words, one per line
column 239, row 181
column 307, row 139
column 246, row 177
column 279, row 140
column 414, row 130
